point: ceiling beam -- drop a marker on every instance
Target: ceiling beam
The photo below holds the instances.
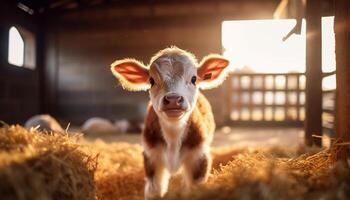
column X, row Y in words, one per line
column 128, row 3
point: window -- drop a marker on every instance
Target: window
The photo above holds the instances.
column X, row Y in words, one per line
column 257, row 46
column 21, row 49
column 16, row 48
column 328, row 44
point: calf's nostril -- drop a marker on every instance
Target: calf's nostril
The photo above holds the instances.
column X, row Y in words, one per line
column 166, row 101
column 180, row 100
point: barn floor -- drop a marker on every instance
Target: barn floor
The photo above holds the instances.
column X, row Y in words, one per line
column 237, row 136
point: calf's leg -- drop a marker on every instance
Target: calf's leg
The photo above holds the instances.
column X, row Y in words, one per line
column 157, row 177
column 197, row 166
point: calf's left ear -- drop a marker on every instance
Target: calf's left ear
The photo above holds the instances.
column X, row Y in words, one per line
column 212, row 71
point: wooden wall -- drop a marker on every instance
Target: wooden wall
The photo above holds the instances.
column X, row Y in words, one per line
column 81, row 45
column 342, row 46
column 19, row 87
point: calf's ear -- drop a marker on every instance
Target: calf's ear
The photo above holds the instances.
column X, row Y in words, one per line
column 132, row 74
column 212, row 71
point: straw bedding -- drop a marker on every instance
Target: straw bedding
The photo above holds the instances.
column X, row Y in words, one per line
column 44, row 166
column 56, row 166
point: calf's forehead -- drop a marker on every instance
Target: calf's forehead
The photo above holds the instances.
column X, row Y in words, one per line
column 173, row 67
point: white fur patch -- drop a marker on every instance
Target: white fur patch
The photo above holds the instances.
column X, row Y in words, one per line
column 173, row 134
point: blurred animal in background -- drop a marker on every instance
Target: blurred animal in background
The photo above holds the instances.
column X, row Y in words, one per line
column 129, row 125
column 98, row 125
column 122, row 125
column 44, row 123
column 179, row 123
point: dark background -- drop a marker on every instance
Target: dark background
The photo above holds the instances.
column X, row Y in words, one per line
column 77, row 41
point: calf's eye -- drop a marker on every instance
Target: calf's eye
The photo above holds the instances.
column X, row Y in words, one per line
column 193, row 80
column 151, row 81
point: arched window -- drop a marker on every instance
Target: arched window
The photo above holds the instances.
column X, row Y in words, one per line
column 21, row 50
column 16, row 47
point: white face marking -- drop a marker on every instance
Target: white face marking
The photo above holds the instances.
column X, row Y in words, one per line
column 172, row 74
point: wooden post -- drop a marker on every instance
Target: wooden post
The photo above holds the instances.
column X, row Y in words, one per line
column 313, row 93
column 342, row 46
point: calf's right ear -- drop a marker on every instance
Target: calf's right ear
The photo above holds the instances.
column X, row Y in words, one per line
column 132, row 74
column 212, row 71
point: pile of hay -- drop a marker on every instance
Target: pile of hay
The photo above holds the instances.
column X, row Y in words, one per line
column 119, row 173
column 57, row 166
column 259, row 175
column 36, row 165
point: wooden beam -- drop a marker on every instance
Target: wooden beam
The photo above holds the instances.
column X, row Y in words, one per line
column 313, row 93
column 342, row 39
column 151, row 21
column 131, row 3
column 281, row 9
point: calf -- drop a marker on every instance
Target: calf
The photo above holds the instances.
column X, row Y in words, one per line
column 179, row 124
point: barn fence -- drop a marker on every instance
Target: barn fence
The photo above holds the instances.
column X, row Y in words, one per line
column 272, row 99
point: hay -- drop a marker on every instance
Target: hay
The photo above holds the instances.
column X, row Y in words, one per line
column 60, row 167
column 44, row 166
column 258, row 175
column 119, row 173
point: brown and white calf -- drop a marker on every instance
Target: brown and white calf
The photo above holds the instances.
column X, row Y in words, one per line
column 179, row 125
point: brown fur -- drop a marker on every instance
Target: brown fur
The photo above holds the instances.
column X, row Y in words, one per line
column 201, row 126
column 152, row 134
column 201, row 170
column 149, row 168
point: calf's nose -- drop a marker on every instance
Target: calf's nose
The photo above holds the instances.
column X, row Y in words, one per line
column 173, row 101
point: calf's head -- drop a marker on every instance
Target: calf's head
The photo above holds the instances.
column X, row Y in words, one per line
column 173, row 78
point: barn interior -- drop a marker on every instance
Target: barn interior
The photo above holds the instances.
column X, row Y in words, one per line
column 285, row 106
